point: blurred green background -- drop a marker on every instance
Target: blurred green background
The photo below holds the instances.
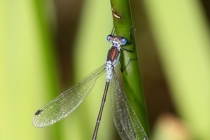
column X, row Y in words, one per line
column 48, row 46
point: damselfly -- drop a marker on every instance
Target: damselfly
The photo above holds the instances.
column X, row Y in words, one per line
column 125, row 119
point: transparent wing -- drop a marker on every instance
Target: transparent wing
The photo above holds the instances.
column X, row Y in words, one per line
column 125, row 119
column 67, row 101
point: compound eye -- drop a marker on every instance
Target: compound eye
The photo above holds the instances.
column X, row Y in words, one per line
column 123, row 41
column 109, row 38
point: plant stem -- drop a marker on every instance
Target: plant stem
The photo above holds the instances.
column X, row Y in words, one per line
column 129, row 62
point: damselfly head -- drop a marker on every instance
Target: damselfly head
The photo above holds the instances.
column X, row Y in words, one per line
column 119, row 39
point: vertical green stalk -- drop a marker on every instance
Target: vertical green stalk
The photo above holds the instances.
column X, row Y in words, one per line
column 128, row 60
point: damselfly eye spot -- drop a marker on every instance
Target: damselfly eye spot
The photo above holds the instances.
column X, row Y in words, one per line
column 38, row 112
column 123, row 41
column 109, row 38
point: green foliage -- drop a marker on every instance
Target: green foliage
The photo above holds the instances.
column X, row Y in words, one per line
column 182, row 35
column 28, row 66
column 128, row 60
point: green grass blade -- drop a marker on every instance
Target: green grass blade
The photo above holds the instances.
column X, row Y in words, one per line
column 129, row 60
column 26, row 70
